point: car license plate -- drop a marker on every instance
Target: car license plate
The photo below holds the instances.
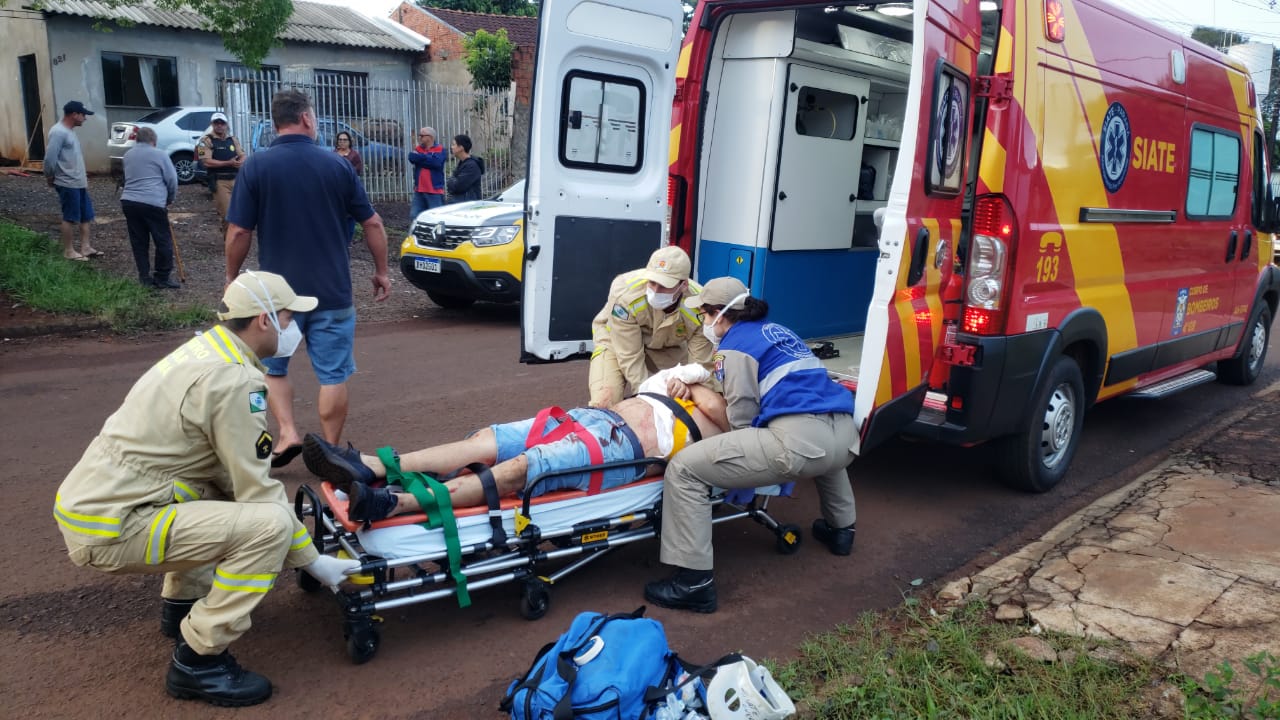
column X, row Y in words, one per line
column 431, row 265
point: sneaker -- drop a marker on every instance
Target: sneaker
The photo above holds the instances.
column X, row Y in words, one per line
column 339, row 466
column 685, row 590
column 216, row 679
column 370, row 504
column 171, row 614
column 166, row 284
column 838, row 540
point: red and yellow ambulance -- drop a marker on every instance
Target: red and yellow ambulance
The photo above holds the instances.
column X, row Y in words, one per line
column 998, row 212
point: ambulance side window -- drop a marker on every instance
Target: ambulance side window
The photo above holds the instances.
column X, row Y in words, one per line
column 1263, row 200
column 602, row 122
column 1213, row 183
column 948, row 131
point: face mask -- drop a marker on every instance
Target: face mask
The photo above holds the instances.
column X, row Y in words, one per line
column 660, row 300
column 286, row 340
column 708, row 328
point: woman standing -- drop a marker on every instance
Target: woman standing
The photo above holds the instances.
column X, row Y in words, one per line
column 790, row 422
column 342, row 146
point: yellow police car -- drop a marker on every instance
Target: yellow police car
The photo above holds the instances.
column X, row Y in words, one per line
column 468, row 251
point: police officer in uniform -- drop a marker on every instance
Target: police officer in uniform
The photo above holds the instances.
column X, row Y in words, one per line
column 222, row 156
column 643, row 329
column 176, row 482
column 790, row 422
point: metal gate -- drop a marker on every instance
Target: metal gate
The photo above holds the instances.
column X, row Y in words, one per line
column 383, row 119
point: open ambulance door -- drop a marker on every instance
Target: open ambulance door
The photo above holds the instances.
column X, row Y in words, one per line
column 597, row 189
column 922, row 221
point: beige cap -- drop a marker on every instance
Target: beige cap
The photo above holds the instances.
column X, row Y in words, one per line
column 720, row 292
column 255, row 292
column 668, row 266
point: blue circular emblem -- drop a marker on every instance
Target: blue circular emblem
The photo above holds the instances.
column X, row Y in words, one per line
column 1113, row 156
column 947, row 141
column 786, row 341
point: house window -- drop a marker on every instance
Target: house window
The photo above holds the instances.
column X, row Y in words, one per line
column 342, row 94
column 241, row 89
column 1213, row 181
column 602, row 122
column 139, row 81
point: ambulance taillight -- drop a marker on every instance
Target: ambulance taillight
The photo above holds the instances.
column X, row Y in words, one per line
column 990, row 257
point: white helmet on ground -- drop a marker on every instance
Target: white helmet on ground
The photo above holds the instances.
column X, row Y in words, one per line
column 746, row 691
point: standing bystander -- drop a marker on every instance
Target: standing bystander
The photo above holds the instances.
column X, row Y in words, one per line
column 64, row 169
column 298, row 197
column 428, row 174
column 465, row 183
column 222, row 155
column 150, row 185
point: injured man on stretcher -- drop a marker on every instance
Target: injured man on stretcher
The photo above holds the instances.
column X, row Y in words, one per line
column 650, row 424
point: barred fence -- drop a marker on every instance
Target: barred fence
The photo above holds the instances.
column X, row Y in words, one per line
column 383, row 120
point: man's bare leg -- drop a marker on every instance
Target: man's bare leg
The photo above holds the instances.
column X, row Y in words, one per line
column 85, row 248
column 333, row 412
column 68, row 240
column 466, row 491
column 479, row 447
column 280, row 403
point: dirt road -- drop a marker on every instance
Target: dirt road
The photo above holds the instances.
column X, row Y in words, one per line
column 81, row 644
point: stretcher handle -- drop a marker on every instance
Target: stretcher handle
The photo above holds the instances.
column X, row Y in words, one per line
column 533, row 484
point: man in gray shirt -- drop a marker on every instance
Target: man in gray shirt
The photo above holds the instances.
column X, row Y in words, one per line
column 64, row 169
column 150, row 185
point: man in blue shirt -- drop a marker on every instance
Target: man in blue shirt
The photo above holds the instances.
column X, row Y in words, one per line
column 298, row 197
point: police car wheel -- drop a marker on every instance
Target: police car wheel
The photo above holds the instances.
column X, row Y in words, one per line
column 450, row 302
column 1037, row 458
column 1245, row 367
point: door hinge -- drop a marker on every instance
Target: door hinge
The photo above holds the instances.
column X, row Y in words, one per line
column 996, row 88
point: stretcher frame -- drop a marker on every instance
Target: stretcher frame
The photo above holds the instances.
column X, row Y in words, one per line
column 392, row 583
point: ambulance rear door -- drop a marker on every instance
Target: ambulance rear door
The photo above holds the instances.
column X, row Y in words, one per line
column 922, row 222
column 597, row 190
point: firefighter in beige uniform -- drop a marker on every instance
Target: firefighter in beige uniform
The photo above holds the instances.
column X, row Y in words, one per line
column 176, row 482
column 644, row 329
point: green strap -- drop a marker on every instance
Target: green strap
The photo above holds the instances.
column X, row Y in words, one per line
column 439, row 509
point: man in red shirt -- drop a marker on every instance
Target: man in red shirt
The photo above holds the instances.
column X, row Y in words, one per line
column 428, row 177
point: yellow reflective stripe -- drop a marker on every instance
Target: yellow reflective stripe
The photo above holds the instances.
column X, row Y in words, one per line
column 694, row 288
column 217, row 347
column 182, row 492
column 599, row 349
column 228, row 343
column 99, row 525
column 693, row 318
column 639, row 305
column 157, row 534
column 301, row 539
column 232, row 582
column 637, row 283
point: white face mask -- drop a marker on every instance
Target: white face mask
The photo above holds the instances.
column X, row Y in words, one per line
column 708, row 328
column 660, row 300
column 287, row 339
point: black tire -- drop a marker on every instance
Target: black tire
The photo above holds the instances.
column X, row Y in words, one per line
column 184, row 164
column 307, row 582
column 362, row 644
column 1036, row 459
column 535, row 600
column 450, row 302
column 1246, row 366
column 789, row 539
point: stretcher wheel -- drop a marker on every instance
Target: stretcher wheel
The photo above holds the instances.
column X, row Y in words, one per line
column 308, row 583
column 535, row 599
column 362, row 644
column 789, row 539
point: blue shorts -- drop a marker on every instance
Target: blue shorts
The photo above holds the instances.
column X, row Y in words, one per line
column 77, row 207
column 617, row 442
column 331, row 340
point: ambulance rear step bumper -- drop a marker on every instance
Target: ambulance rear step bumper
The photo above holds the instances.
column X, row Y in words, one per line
column 1175, row 384
column 934, row 410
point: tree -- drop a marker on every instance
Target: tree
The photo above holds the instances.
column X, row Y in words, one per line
column 526, row 8
column 248, row 28
column 1218, row 38
column 488, row 57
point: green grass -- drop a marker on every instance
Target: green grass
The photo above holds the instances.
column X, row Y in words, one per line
column 906, row 663
column 33, row 270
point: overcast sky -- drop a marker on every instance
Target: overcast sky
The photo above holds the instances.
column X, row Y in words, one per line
column 1255, row 18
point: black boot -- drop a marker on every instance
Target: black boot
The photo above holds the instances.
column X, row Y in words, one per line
column 685, row 590
column 166, row 283
column 171, row 614
column 838, row 540
column 146, row 281
column 216, row 679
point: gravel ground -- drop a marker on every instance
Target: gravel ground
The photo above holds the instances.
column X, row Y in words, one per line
column 29, row 202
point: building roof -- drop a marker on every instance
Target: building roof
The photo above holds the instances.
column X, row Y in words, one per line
column 523, row 31
column 311, row 22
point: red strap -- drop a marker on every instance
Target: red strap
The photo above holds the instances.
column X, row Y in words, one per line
column 567, row 425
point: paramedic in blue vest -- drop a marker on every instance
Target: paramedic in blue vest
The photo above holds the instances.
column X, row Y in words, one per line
column 789, row 422
column 177, row 483
column 427, row 159
column 222, row 155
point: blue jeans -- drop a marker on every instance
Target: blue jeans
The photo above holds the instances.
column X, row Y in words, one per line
column 616, row 443
column 424, row 201
column 331, row 337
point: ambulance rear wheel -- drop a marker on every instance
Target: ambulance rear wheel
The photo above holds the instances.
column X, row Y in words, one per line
column 535, row 600
column 789, row 539
column 1036, row 459
column 1247, row 366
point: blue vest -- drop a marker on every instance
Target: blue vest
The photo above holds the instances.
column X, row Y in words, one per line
column 793, row 381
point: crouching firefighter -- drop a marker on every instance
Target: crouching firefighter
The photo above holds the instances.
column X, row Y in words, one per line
column 176, row 482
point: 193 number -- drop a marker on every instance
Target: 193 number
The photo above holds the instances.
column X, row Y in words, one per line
column 1047, row 268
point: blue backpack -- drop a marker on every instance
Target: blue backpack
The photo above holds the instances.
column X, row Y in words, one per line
column 604, row 667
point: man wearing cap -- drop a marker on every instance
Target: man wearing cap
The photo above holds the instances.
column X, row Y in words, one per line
column 64, row 170
column 222, row 155
column 176, row 482
column 643, row 328
column 428, row 173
